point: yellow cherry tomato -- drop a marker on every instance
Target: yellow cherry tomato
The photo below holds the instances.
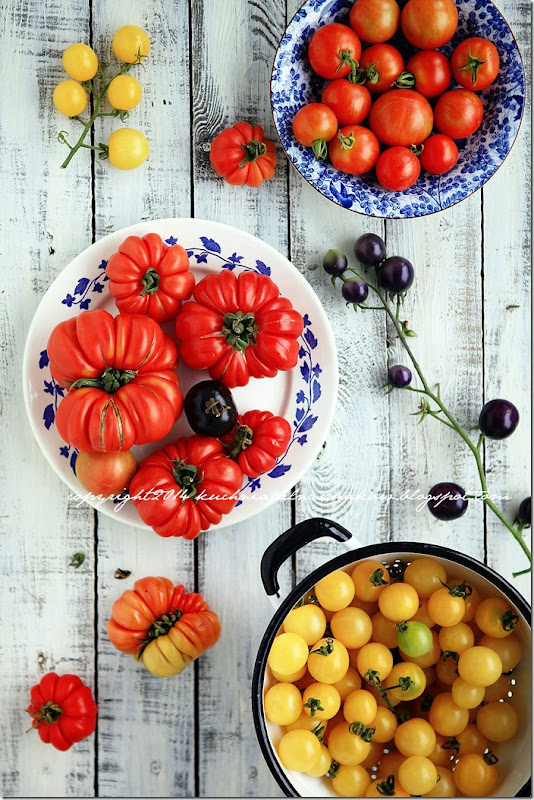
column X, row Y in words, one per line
column 445, row 785
column 351, row 781
column 474, row 777
column 495, row 617
column 128, row 148
column 335, row 591
column 376, row 752
column 360, row 706
column 384, row 630
column 80, row 62
column 322, row 766
column 416, row 737
column 430, row 658
column 389, row 764
column 456, row 638
column 369, row 578
column 417, row 775
column 307, row 723
column 292, row 677
column 299, row 750
column 283, row 703
column 70, row 98
column 480, row 666
column 446, row 717
column 508, row 649
column 369, row 608
column 376, row 657
column 352, row 626
column 328, row 660
column 422, row 615
column 321, row 701
column 124, row 92
column 406, row 670
column 385, row 724
column 430, row 675
column 498, row 721
column 349, row 682
column 447, row 669
column 441, row 756
column 339, row 719
column 288, row 653
column 471, row 601
column 446, row 609
column 131, row 44
column 466, row 695
column 426, row 575
column 500, row 690
column 398, row 602
column 307, row 621
column 470, row 740
column 346, row 747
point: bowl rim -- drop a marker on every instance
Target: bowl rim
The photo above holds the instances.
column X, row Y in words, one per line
column 359, row 554
column 399, row 216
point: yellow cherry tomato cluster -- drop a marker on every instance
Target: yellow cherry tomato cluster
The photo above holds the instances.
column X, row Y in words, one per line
column 395, row 682
column 126, row 148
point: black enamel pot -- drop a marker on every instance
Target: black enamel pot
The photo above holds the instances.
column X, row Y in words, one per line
column 514, row 756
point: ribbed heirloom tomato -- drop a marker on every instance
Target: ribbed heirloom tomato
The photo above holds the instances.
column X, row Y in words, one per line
column 119, row 372
column 239, row 328
column 354, row 150
column 349, row 101
column 185, row 487
column 162, row 625
column 62, row 709
column 401, row 117
column 242, row 154
column 334, row 51
column 375, row 20
column 147, row 276
column 257, row 441
column 429, row 23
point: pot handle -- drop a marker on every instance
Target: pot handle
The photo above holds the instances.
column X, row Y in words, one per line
column 292, row 540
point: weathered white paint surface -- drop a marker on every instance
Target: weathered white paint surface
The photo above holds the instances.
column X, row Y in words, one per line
column 195, row 735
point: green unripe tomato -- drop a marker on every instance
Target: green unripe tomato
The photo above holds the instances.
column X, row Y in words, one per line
column 414, row 638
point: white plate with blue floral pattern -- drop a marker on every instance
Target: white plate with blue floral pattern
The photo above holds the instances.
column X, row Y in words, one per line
column 294, row 84
column 305, row 395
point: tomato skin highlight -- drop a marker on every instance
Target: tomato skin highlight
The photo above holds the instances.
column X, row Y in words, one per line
column 475, row 63
column 397, row 169
column 350, row 102
column 432, row 72
column 428, row 24
column 388, row 63
column 401, row 117
column 440, row 154
column 354, row 150
column 241, row 154
column 313, row 125
column 458, row 113
column 105, row 473
column 63, row 710
column 375, row 20
column 326, row 44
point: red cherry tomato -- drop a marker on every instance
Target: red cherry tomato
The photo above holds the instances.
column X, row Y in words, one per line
column 375, row 20
column 350, row 102
column 475, row 63
column 401, row 117
column 432, row 72
column 397, row 169
column 334, row 50
column 429, row 23
column 458, row 113
column 440, row 154
column 314, row 126
column 384, row 64
column 354, row 150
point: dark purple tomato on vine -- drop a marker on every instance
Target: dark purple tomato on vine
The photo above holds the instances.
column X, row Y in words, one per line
column 396, row 274
column 524, row 512
column 355, row 292
column 335, row 262
column 210, row 408
column 447, row 501
column 370, row 249
column 399, row 376
column 498, row 419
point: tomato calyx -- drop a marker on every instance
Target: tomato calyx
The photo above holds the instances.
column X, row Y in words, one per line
column 346, row 142
column 150, row 282
column 253, row 150
column 386, row 787
column 404, row 684
column 490, row 758
column 372, row 677
column 319, row 730
column 377, row 578
column 473, row 65
column 426, row 702
column 406, row 80
column 187, row 478
column 320, row 149
column 402, row 627
column 451, row 744
column 416, row 149
column 242, row 440
column 314, row 705
column 459, row 590
column 509, row 620
column 361, row 730
column 345, row 57
column 450, row 654
column 334, row 769
column 49, row 712
column 110, row 381
column 161, row 627
column 240, row 330
column 325, row 649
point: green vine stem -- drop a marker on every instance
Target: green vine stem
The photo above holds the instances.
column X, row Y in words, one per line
column 403, row 332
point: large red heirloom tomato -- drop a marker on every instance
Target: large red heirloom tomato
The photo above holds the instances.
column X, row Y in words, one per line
column 242, row 154
column 162, row 625
column 186, row 487
column 147, row 276
column 119, row 372
column 257, row 441
column 401, row 117
column 239, row 328
column 63, row 710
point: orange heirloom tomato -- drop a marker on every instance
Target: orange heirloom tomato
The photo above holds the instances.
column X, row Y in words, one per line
column 242, row 154
column 147, row 276
column 162, row 625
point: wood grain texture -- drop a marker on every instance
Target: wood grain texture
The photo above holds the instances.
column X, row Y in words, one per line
column 47, row 606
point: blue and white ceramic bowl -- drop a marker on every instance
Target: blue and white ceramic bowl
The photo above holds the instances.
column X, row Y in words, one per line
column 294, row 84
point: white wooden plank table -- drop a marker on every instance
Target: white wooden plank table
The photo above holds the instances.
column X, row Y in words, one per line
column 209, row 67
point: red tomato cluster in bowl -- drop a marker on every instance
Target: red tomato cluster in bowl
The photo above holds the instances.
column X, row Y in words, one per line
column 378, row 111
column 122, row 389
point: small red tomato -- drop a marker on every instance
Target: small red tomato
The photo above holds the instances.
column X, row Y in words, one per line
column 105, row 473
column 314, row 125
column 475, row 63
column 354, row 150
column 432, row 72
column 349, row 101
column 334, row 50
column 429, row 23
column 384, row 64
column 397, row 169
column 257, row 441
column 375, row 20
column 401, row 117
column 63, row 710
column 440, row 154
column 458, row 113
